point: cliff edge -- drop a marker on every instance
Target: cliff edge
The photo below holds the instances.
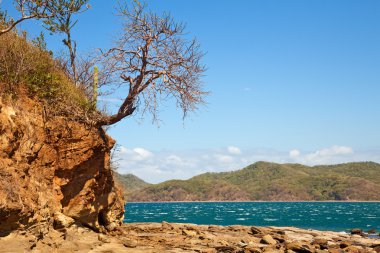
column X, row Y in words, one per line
column 54, row 171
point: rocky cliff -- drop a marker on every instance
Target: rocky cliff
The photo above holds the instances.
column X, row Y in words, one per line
column 52, row 168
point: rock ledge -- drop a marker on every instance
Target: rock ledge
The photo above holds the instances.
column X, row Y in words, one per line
column 178, row 238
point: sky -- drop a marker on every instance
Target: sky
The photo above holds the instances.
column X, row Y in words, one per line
column 290, row 81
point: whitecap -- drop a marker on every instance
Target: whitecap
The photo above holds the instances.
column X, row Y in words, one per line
column 269, row 219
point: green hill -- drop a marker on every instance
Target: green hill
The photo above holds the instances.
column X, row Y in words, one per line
column 273, row 182
column 130, row 183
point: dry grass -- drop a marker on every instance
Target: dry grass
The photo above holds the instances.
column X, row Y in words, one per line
column 24, row 66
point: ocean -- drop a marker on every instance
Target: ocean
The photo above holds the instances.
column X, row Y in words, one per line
column 333, row 216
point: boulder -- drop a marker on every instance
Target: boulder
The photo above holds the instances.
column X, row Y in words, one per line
column 225, row 249
column 242, row 244
column 371, row 231
column 255, row 230
column 299, row 247
column 103, row 238
column 336, row 251
column 267, row 239
column 130, row 243
column 272, row 250
column 62, row 221
column 166, row 226
column 279, row 238
column 322, row 243
column 256, row 245
column 352, row 249
column 250, row 249
column 190, row 233
column 356, row 231
column 344, row 244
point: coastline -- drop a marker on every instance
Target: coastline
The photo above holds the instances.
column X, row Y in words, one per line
column 180, row 238
column 258, row 201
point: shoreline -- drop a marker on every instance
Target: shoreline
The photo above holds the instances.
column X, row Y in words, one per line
column 257, row 201
column 189, row 238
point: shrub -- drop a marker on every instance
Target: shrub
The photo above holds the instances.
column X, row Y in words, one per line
column 26, row 65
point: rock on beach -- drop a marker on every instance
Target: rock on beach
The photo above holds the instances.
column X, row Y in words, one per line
column 180, row 238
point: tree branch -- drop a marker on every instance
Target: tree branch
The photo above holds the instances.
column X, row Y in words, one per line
column 13, row 24
column 157, row 62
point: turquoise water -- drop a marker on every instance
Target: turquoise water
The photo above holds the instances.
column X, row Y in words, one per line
column 334, row 216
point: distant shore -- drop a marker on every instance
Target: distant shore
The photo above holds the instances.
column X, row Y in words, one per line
column 260, row 201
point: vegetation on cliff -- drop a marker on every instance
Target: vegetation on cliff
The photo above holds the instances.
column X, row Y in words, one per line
column 28, row 69
column 54, row 152
column 271, row 181
column 152, row 60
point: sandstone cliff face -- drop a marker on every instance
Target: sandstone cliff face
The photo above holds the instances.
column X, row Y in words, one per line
column 51, row 165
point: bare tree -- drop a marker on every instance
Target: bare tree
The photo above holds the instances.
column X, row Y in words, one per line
column 155, row 61
column 62, row 22
column 29, row 9
column 39, row 9
column 84, row 65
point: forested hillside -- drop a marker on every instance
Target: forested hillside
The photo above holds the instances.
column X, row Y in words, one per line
column 273, row 182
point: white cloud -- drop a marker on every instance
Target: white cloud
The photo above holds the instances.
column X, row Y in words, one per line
column 336, row 150
column 174, row 158
column 224, row 158
column 159, row 166
column 334, row 154
column 143, row 153
column 234, row 150
column 294, row 153
column 136, row 154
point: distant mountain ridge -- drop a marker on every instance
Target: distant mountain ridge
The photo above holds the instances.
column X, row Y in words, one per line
column 264, row 181
column 130, row 183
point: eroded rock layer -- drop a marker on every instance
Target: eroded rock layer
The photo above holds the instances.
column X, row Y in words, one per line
column 51, row 165
column 181, row 238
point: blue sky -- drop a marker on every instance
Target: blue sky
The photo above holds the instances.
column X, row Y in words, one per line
column 290, row 81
